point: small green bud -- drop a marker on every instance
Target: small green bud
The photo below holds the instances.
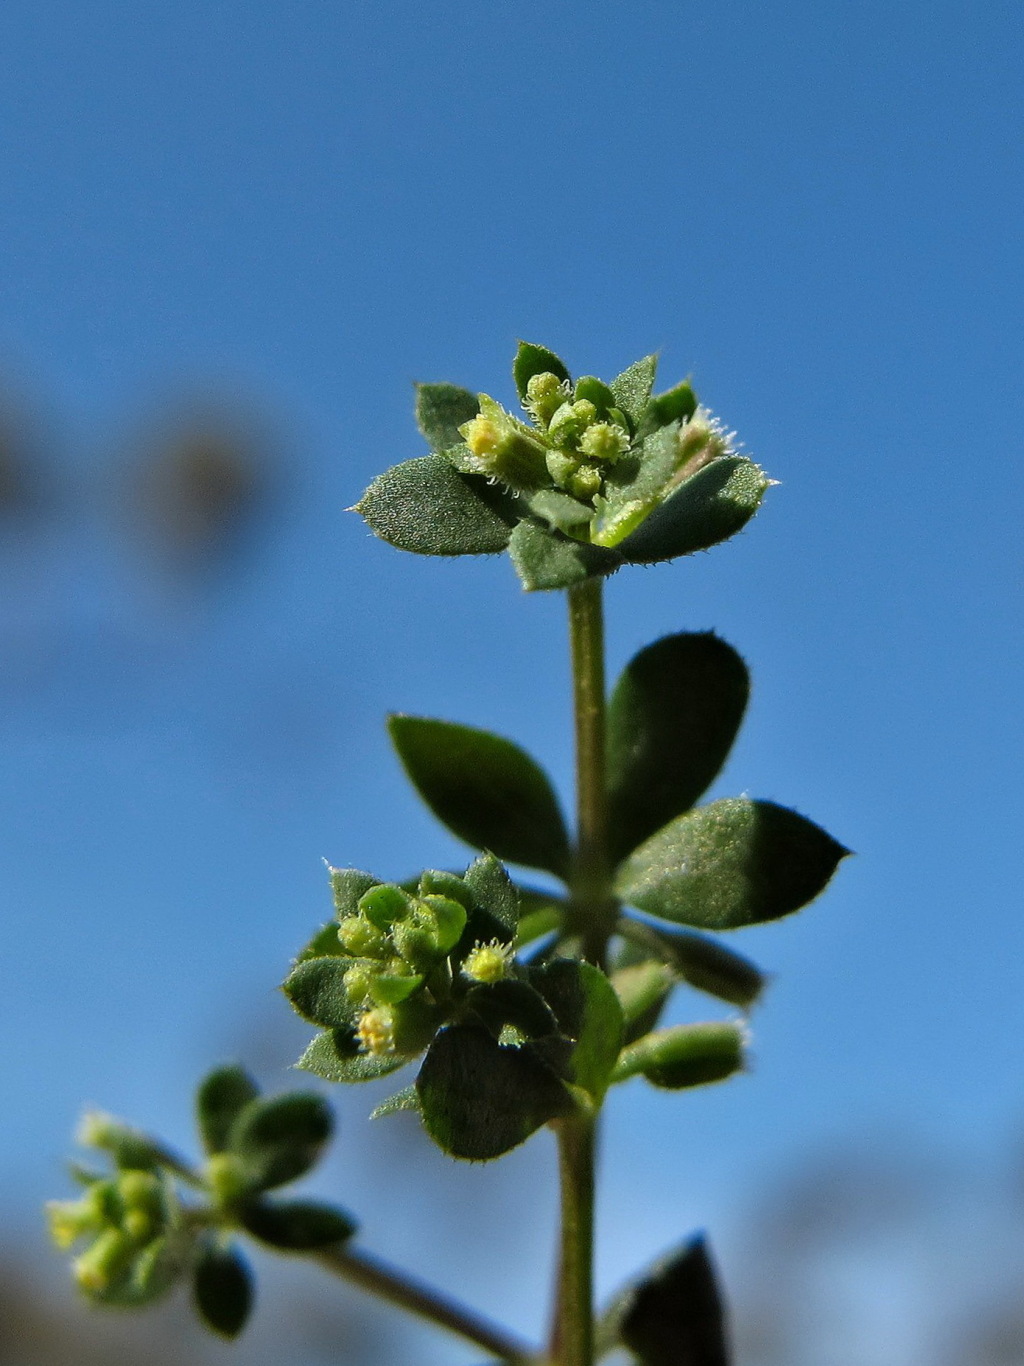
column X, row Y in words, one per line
column 417, row 946
column 585, row 484
column 562, row 465
column 570, row 422
column 545, row 394
column 103, row 1262
column 488, row 962
column 96, row 1129
column 358, row 982
column 361, row 938
column 376, row 1031
column 604, row 441
column 504, row 449
column 227, row 1178
column 384, row 905
column 70, row 1220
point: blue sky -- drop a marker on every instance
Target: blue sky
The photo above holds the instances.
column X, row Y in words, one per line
column 816, row 211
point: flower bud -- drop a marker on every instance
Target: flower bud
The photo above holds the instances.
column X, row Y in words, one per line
column 70, row 1220
column 361, row 938
column 505, row 449
column 227, row 1178
column 562, row 465
column 545, row 394
column 585, row 484
column 570, row 422
column 383, row 905
column 103, row 1262
column 488, row 962
column 604, row 441
column 416, row 945
column 358, row 982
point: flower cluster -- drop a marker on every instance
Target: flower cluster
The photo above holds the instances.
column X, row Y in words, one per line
column 152, row 1220
column 597, row 475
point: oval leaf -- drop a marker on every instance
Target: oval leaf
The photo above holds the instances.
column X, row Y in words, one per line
column 427, row 507
column 701, row 962
column 316, row 989
column 221, row 1097
column 685, row 1055
column 441, row 409
column 672, row 720
column 485, row 789
column 735, row 862
column 632, row 389
column 493, row 891
column 709, row 507
column 480, row 1098
column 546, row 560
column 588, row 1012
column 297, row 1225
column 535, row 360
column 332, row 1057
column 222, row 1284
column 281, row 1138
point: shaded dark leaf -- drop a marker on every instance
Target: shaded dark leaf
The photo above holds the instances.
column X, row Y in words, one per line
column 486, row 789
column 480, row 1098
column 675, row 1316
column 672, row 720
column 223, row 1289
column 545, row 560
column 281, row 1138
column 222, row 1095
column 297, row 1225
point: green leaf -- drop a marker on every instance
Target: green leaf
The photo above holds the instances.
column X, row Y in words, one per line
column 561, row 511
column 493, row 891
column 735, row 862
column 703, row 963
column 297, row 1225
column 596, row 392
column 540, row 915
column 485, row 789
column 316, row 989
column 406, row 1099
column 441, row 409
column 675, row 1315
column 281, row 1138
column 632, row 389
column 672, row 720
column 709, row 507
column 348, row 885
column 223, row 1289
column 589, row 1013
column 546, row 560
column 427, row 507
column 480, row 1098
column 678, row 402
column 684, row 1055
column 511, row 1002
column 324, row 944
column 222, row 1095
column 535, row 360
column 642, row 989
column 332, row 1057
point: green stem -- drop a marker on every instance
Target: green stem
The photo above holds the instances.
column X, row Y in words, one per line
column 592, row 912
column 572, row 1337
column 388, row 1283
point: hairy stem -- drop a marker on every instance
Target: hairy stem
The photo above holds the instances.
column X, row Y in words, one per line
column 388, row 1283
